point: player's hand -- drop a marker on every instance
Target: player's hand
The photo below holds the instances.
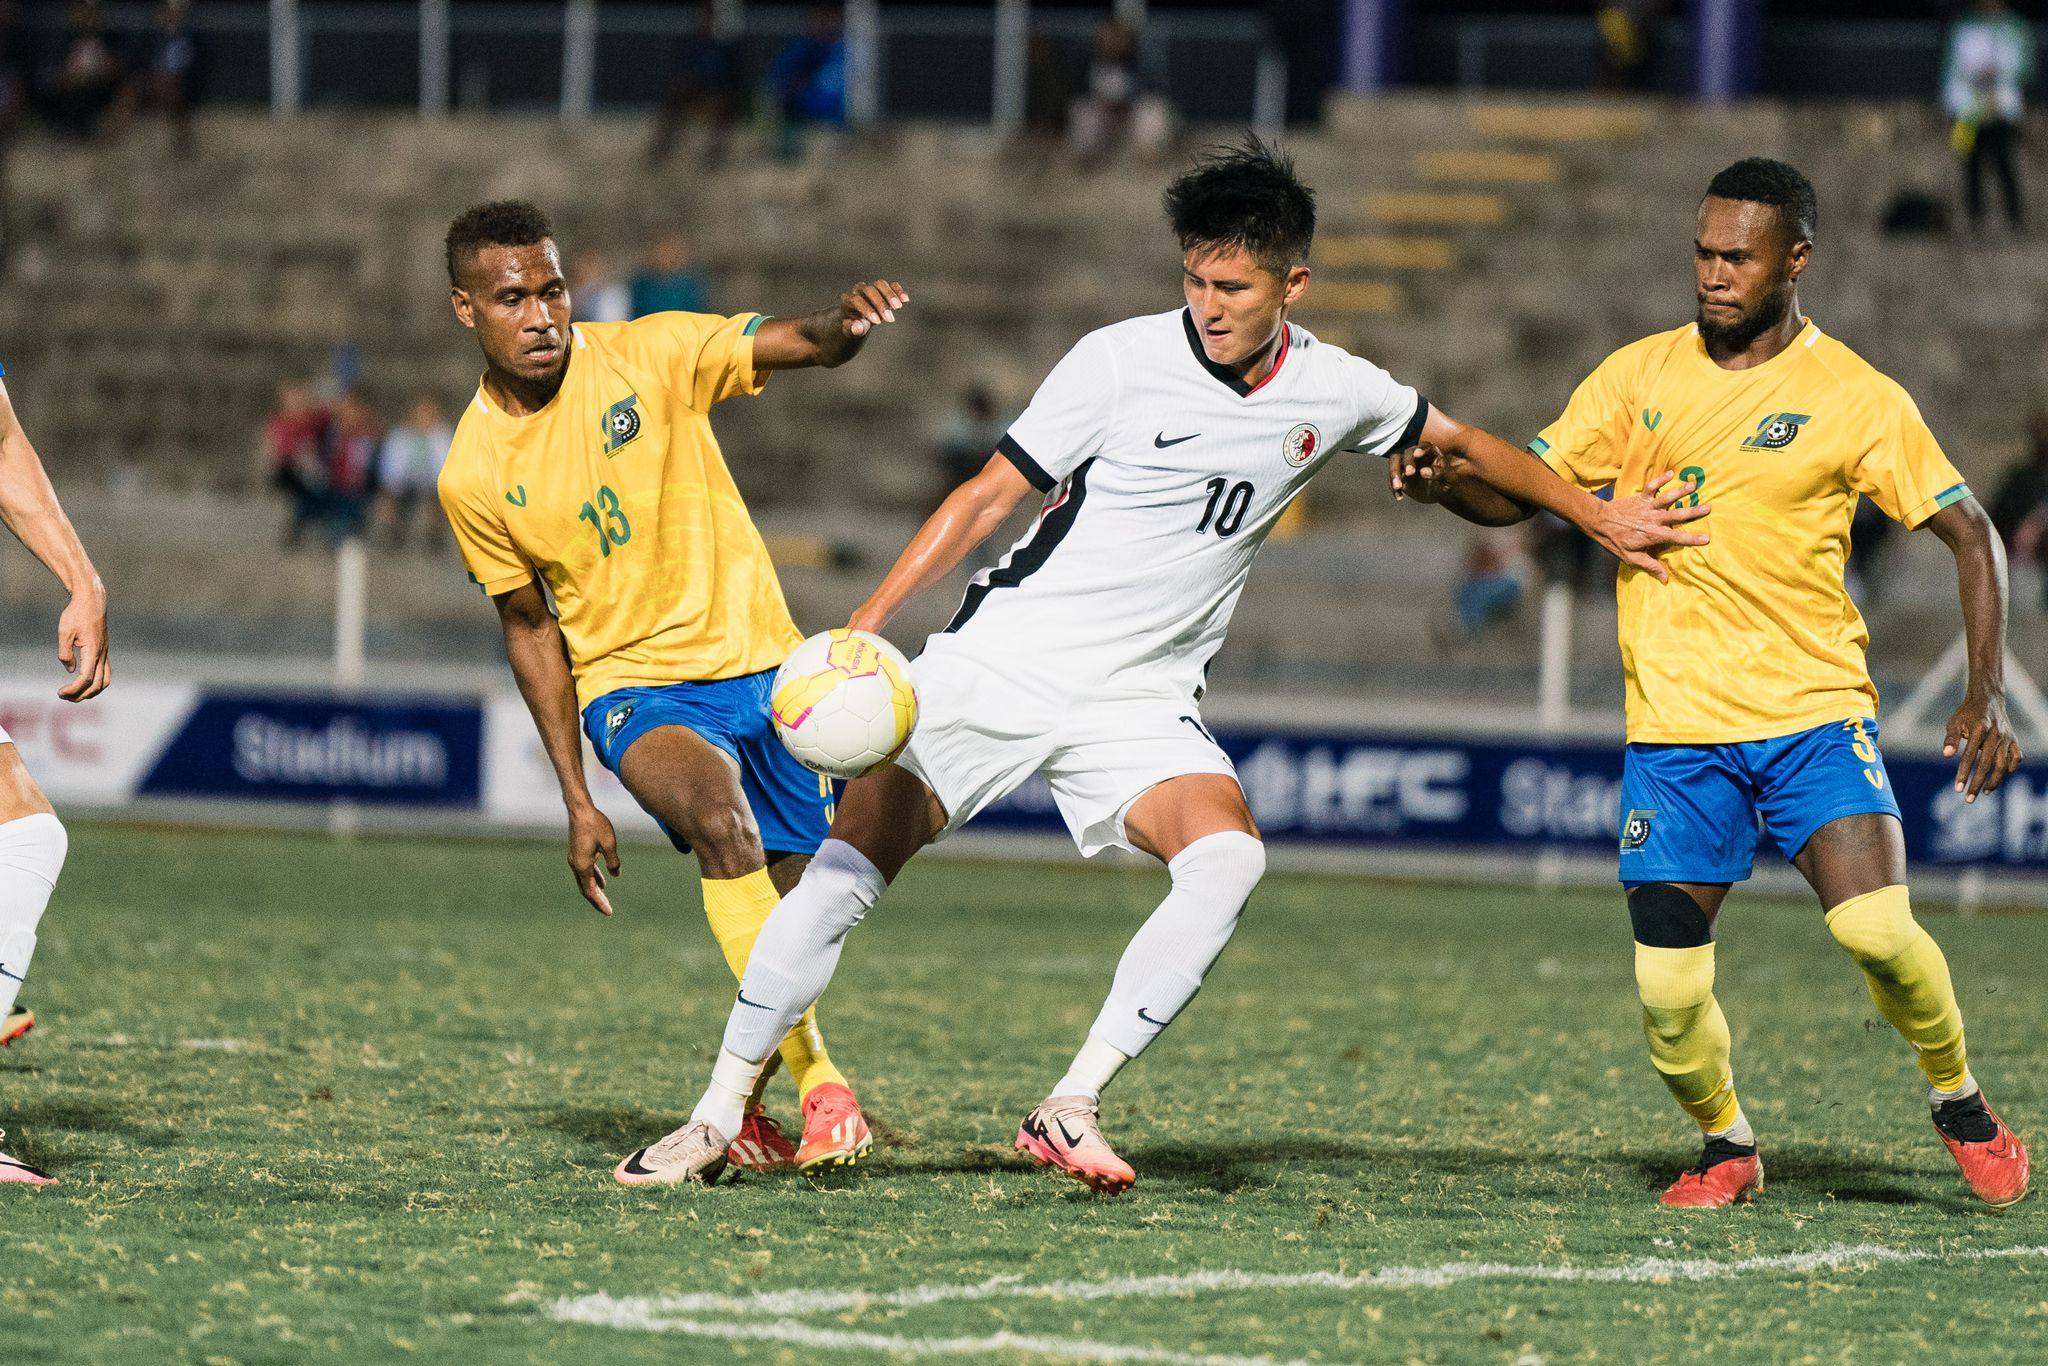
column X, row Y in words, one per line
column 593, row 851
column 1421, row 473
column 869, row 304
column 1631, row 527
column 82, row 646
column 1981, row 741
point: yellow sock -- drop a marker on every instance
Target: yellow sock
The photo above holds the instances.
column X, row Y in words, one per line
column 737, row 908
column 1689, row 1043
column 1908, row 979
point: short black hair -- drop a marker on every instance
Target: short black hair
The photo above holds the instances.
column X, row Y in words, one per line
column 1761, row 180
column 1244, row 196
column 500, row 223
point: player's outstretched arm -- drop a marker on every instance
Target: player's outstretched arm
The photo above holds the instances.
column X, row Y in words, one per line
column 1424, row 474
column 831, row 336
column 969, row 516
column 1980, row 736
column 1632, row 527
column 540, row 665
column 28, row 504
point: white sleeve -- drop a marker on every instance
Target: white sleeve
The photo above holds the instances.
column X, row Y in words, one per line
column 1069, row 416
column 1387, row 415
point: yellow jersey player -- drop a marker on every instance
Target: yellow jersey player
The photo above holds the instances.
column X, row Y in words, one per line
column 591, row 503
column 1749, row 702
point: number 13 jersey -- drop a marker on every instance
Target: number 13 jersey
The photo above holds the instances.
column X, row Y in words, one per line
column 1163, row 473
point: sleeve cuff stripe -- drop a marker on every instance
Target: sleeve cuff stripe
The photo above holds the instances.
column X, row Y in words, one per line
column 1411, row 433
column 1539, row 447
column 754, row 324
column 1951, row 497
column 1026, row 466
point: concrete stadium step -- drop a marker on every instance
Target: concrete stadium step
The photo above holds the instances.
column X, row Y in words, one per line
column 1489, row 166
column 1380, row 251
column 1435, row 208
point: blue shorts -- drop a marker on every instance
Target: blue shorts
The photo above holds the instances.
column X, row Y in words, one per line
column 791, row 804
column 1692, row 813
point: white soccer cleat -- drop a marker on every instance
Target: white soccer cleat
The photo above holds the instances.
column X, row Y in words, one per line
column 1064, row 1132
column 14, row 1171
column 694, row 1153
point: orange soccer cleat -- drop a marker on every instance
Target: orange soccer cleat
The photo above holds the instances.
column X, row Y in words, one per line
column 1726, row 1174
column 1992, row 1158
column 835, row 1132
column 761, row 1146
column 20, row 1020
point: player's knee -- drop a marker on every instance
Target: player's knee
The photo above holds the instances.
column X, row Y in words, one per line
column 1876, row 927
column 845, row 884
column 1226, row 866
column 36, row 845
column 725, row 840
column 1665, row 916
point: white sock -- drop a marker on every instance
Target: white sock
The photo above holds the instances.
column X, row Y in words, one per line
column 31, row 856
column 789, row 967
column 1738, row 1133
column 1174, row 949
column 724, row 1105
column 1937, row 1099
column 1092, row 1069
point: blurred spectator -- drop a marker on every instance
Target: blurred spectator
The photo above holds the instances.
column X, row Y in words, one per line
column 1116, row 106
column 1628, row 38
column 163, row 82
column 2019, row 509
column 597, row 295
column 968, row 437
column 350, row 468
column 1495, row 578
column 668, row 283
column 17, row 69
column 808, row 81
column 407, row 469
column 1990, row 61
column 294, row 437
column 85, row 76
column 709, row 89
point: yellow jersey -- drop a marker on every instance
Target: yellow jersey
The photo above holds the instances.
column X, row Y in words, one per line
column 617, row 496
column 1754, row 636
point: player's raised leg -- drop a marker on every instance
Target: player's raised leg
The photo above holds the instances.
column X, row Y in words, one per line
column 1199, row 826
column 1857, row 866
column 881, row 822
column 32, row 846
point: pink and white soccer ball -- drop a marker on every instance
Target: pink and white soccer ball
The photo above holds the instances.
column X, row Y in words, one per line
column 843, row 703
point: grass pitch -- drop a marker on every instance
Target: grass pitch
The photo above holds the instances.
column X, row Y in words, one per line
column 360, row 1102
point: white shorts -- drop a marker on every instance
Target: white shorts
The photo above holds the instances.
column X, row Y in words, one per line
column 982, row 730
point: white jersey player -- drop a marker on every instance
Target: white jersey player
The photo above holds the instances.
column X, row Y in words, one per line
column 1165, row 447
column 32, row 839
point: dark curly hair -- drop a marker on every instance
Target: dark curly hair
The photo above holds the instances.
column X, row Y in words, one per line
column 500, row 223
column 1244, row 196
column 1761, row 180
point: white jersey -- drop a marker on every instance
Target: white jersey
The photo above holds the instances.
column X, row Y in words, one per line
column 1163, row 474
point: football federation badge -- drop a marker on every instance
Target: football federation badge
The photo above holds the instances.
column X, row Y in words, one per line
column 621, row 423
column 1775, row 432
column 1301, row 444
column 1635, row 831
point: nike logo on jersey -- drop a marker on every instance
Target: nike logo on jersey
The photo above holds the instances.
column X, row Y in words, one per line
column 755, row 1004
column 1149, row 1020
column 1162, row 443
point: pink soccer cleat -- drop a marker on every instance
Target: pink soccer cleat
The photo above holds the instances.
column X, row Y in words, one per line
column 14, row 1171
column 1064, row 1132
column 761, row 1146
column 835, row 1131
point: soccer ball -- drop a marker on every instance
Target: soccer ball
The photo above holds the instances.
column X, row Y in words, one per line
column 843, row 703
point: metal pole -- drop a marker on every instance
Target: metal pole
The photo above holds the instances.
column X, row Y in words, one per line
column 1269, row 92
column 728, row 18
column 579, row 58
column 1013, row 66
column 434, row 46
column 1471, row 55
column 1554, row 669
column 863, row 62
column 284, row 57
column 1130, row 13
column 351, row 612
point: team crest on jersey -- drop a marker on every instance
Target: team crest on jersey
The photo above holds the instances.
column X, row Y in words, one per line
column 1635, row 831
column 1301, row 444
column 1775, row 432
column 621, row 423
